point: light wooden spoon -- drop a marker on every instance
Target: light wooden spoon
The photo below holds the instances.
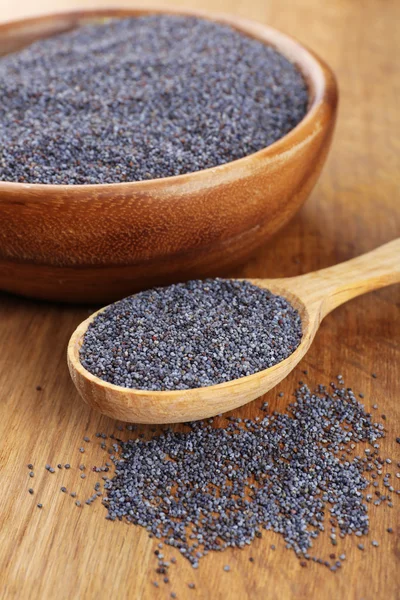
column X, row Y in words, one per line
column 314, row 295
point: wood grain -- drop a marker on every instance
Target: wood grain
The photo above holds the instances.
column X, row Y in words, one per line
column 98, row 243
column 63, row 552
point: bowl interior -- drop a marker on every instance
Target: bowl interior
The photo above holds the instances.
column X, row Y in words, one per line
column 17, row 35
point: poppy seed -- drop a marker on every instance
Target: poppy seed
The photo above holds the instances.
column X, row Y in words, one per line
column 224, row 485
column 142, row 98
column 190, row 335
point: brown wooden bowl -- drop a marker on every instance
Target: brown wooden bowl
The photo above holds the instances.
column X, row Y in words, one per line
column 96, row 243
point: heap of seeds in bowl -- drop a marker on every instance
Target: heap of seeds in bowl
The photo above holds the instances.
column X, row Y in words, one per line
column 142, row 98
column 190, row 335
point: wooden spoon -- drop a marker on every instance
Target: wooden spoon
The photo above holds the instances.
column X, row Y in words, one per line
column 314, row 295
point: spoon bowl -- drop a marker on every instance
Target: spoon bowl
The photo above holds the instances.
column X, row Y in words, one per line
column 314, row 295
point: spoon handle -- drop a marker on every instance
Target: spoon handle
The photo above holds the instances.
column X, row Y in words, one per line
column 335, row 285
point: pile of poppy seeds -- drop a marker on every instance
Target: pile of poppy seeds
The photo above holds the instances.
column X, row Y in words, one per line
column 190, row 335
column 142, row 98
column 208, row 488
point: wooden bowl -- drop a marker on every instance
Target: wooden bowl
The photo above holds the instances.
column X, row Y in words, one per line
column 96, row 243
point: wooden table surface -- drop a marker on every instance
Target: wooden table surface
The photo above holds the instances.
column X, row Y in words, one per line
column 65, row 552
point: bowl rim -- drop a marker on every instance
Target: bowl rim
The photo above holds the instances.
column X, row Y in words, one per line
column 320, row 79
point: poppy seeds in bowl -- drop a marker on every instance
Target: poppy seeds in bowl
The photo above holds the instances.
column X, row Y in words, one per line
column 142, row 98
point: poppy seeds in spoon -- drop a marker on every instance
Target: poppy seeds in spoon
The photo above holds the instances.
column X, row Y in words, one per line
column 190, row 335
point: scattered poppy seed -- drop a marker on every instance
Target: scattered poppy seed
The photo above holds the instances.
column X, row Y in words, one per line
column 63, row 489
column 77, row 503
column 196, row 459
column 210, row 471
column 30, row 466
column 39, row 505
column 38, row 388
column 31, row 474
column 86, row 439
column 375, row 543
column 82, row 450
column 67, row 466
column 30, row 490
column 389, row 530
